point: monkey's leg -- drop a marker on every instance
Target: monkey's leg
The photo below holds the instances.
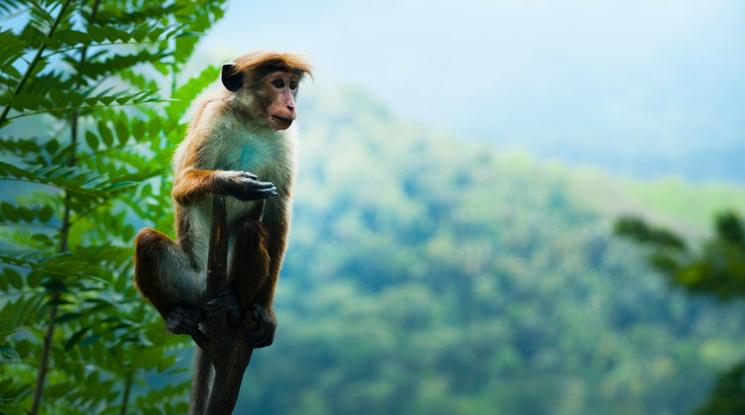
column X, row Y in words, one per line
column 163, row 274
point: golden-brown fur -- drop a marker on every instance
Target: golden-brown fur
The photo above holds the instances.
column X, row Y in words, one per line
column 243, row 128
column 227, row 136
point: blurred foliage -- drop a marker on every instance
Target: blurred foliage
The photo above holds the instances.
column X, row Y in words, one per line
column 685, row 206
column 716, row 270
column 728, row 396
column 434, row 276
column 83, row 160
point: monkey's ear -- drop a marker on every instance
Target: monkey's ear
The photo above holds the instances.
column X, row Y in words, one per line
column 232, row 81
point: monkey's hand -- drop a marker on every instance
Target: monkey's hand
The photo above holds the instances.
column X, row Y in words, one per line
column 183, row 320
column 244, row 186
column 226, row 302
column 264, row 326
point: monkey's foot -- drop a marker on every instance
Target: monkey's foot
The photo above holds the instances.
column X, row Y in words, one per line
column 183, row 320
column 225, row 302
column 264, row 326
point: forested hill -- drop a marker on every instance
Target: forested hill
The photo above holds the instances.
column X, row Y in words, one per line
column 430, row 275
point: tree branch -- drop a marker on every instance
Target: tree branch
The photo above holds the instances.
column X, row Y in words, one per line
column 228, row 349
column 218, row 252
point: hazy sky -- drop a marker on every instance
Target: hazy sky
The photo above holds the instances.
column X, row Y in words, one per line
column 631, row 82
column 576, row 78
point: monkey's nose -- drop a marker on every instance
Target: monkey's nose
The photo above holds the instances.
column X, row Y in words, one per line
column 291, row 107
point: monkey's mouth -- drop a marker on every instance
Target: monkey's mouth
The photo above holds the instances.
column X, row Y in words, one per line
column 282, row 122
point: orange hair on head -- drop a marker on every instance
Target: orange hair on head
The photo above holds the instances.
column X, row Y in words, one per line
column 281, row 61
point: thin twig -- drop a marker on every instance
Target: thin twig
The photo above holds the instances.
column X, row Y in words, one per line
column 65, row 228
column 29, row 225
column 43, row 364
column 49, row 335
column 111, row 151
column 125, row 397
column 59, row 51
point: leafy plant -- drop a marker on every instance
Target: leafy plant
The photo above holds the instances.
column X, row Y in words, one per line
column 90, row 112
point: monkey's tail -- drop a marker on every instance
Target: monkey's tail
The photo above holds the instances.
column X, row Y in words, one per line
column 200, row 382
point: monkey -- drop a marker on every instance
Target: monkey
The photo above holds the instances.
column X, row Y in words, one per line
column 239, row 144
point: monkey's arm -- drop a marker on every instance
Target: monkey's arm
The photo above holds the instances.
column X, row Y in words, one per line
column 192, row 185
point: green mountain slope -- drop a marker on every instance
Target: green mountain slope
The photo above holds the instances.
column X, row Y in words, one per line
column 428, row 275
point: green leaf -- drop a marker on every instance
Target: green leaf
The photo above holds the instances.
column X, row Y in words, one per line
column 75, row 338
column 9, row 211
column 90, row 340
column 8, row 353
column 91, row 140
column 45, row 213
column 33, row 279
column 26, row 214
column 70, row 37
column 138, row 129
column 58, row 97
column 105, row 133
column 68, row 317
column 20, row 147
column 25, row 102
column 122, row 131
column 14, row 278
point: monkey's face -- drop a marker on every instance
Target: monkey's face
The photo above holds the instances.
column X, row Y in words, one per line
column 267, row 90
column 278, row 92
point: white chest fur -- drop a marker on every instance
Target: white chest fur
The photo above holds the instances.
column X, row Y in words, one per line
column 258, row 153
column 268, row 154
column 249, row 151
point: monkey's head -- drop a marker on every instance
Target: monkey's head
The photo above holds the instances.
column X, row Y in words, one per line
column 266, row 85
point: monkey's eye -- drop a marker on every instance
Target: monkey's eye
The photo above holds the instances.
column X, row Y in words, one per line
column 278, row 83
column 293, row 85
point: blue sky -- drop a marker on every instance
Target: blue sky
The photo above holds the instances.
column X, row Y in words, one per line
column 427, row 58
